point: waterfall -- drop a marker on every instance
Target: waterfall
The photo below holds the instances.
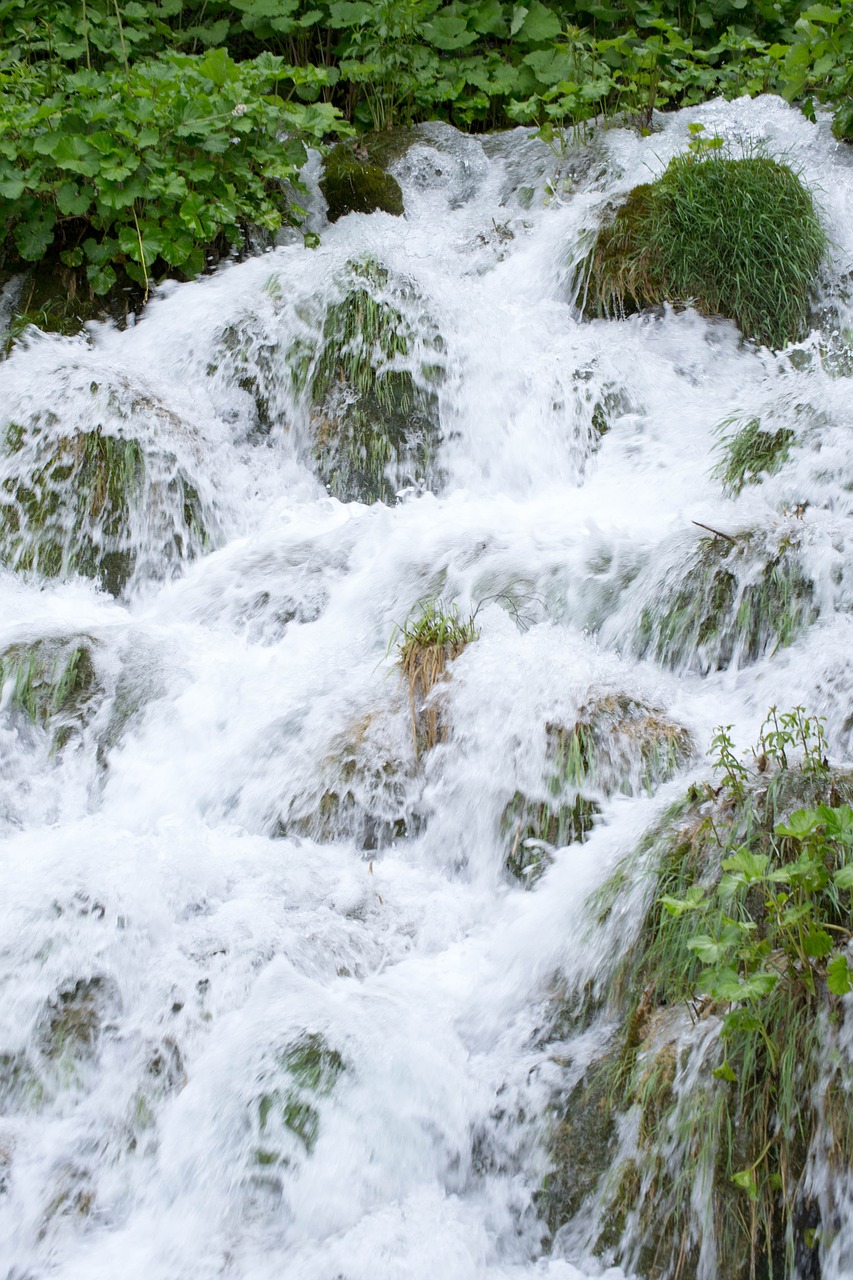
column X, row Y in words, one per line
column 287, row 987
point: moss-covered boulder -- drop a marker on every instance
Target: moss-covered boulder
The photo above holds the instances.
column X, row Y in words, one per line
column 374, row 410
column 715, row 1100
column 617, row 744
column 92, row 502
column 362, row 790
column 728, row 600
column 51, row 683
column 285, row 1114
column 351, row 183
column 738, row 238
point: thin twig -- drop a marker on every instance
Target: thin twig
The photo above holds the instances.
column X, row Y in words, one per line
column 716, row 532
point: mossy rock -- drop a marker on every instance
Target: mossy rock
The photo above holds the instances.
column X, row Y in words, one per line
column 53, row 683
column 617, row 744
column 375, row 423
column 74, row 1021
column 73, row 502
column 57, row 299
column 731, row 600
column 738, row 238
column 308, row 1070
column 532, row 828
column 352, row 184
column 364, row 794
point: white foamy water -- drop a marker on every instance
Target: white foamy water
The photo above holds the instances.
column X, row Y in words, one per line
column 175, row 925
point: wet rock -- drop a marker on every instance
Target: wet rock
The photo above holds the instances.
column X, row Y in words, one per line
column 52, row 683
column 353, row 184
column 286, row 1114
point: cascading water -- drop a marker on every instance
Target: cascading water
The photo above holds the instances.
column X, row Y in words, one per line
column 271, row 1004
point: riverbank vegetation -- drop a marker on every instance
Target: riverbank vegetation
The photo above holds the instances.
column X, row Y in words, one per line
column 140, row 141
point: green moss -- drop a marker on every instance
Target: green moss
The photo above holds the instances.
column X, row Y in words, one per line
column 375, row 429
column 704, row 234
column 310, row 1068
column 70, row 507
column 52, row 682
column 733, row 602
column 353, row 185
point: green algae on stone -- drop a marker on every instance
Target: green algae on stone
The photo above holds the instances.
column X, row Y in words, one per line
column 375, row 426
column 309, row 1068
column 70, row 503
column 353, row 185
column 738, row 238
column 732, row 600
column 53, row 683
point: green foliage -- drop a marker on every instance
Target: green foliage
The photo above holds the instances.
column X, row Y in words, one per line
column 138, row 171
column 750, row 919
column 700, row 234
column 750, row 452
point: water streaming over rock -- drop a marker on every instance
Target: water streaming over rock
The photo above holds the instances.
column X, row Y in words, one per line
column 272, row 1003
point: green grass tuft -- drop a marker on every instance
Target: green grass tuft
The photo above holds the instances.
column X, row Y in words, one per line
column 750, row 452
column 739, row 238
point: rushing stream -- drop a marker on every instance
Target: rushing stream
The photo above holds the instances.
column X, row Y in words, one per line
column 271, row 1004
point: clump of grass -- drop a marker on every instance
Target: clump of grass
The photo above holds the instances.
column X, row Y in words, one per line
column 429, row 639
column 750, row 452
column 371, row 419
column 739, row 238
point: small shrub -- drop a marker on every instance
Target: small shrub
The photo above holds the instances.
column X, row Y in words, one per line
column 733, row 237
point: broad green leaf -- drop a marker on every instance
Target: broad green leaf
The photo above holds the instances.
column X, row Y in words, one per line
column 101, row 279
column 73, row 200
column 724, row 1072
column 35, row 235
column 448, row 32
column 838, row 823
column 745, row 866
column 822, row 13
column 817, row 943
column 218, row 67
column 839, row 976
column 540, row 24
column 350, row 13
column 519, row 13
column 801, row 824
column 844, row 877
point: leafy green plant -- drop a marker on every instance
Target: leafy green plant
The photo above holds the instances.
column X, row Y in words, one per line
column 142, row 170
column 752, row 920
column 700, row 234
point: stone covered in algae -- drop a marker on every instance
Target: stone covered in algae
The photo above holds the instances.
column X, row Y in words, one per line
column 617, row 744
column 351, row 184
column 306, row 1073
column 75, row 502
column 731, row 600
column 53, row 683
column 374, row 410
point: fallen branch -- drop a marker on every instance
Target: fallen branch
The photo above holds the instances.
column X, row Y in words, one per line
column 716, row 532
